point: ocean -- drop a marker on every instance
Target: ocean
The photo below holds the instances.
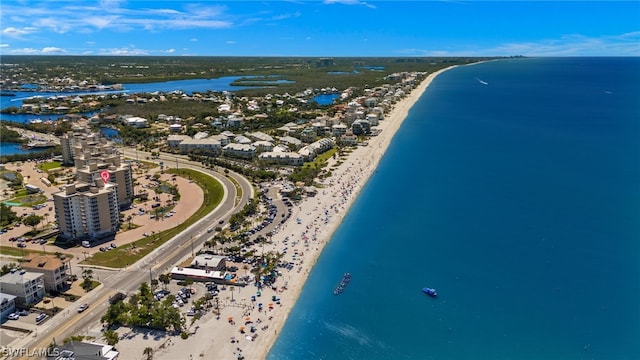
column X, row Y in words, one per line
column 513, row 188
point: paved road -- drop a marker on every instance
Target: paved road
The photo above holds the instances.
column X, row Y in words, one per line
column 70, row 322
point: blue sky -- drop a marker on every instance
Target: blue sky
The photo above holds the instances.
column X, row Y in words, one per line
column 320, row 28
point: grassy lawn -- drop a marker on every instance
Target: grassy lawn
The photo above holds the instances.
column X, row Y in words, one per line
column 29, row 200
column 16, row 251
column 238, row 190
column 321, row 160
column 49, row 165
column 131, row 253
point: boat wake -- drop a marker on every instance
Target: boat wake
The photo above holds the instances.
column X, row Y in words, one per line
column 482, row 82
column 350, row 332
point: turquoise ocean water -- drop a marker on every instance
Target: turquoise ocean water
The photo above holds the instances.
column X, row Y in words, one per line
column 513, row 188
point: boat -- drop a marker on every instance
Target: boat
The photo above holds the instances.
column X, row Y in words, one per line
column 343, row 283
column 430, row 291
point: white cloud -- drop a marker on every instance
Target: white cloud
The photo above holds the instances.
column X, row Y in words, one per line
column 350, row 2
column 44, row 51
column 53, row 24
column 231, row 42
column 170, row 51
column 627, row 44
column 193, row 40
column 124, row 52
column 18, row 32
column 4, row 45
column 53, row 50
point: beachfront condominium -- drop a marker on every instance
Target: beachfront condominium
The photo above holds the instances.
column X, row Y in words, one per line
column 120, row 175
column 87, row 211
column 92, row 154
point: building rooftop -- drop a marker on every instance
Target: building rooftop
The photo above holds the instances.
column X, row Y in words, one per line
column 45, row 262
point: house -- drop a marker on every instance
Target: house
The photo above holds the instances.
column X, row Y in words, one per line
column 174, row 140
column 209, row 262
column 27, row 287
column 7, row 305
column 262, row 146
column 282, row 158
column 81, row 350
column 241, row 139
column 206, row 145
column 349, row 139
column 243, row 151
column 56, row 271
column 137, row 122
column 290, row 141
column 339, row 129
column 259, row 136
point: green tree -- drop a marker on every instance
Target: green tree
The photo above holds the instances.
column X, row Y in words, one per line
column 7, row 216
column 112, row 337
column 6, row 268
column 165, row 279
column 87, row 283
column 32, row 220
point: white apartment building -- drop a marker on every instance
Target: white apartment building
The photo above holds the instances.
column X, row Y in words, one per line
column 239, row 150
column 87, row 211
column 281, row 158
column 27, row 287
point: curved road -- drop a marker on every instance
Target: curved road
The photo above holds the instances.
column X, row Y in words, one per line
column 69, row 322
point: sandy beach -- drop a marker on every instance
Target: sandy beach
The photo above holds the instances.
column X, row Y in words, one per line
column 221, row 337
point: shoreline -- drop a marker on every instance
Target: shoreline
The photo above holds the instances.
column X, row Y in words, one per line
column 320, row 217
column 378, row 147
column 370, row 157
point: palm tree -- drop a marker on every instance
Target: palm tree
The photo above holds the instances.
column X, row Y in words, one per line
column 148, row 351
column 165, row 279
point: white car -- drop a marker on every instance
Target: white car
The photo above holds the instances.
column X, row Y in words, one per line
column 83, row 307
column 13, row 316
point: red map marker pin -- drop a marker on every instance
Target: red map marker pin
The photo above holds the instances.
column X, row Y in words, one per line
column 105, row 176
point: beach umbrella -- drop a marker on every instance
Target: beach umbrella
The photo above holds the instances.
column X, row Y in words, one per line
column 230, row 318
column 247, row 319
column 249, row 338
column 241, row 328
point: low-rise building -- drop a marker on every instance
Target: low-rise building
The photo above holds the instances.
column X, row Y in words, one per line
column 282, row 158
column 243, row 151
column 81, row 350
column 206, row 145
column 209, row 262
column 27, row 287
column 7, row 305
column 56, row 271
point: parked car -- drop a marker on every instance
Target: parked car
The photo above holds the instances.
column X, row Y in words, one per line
column 22, row 312
column 13, row 316
column 40, row 318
